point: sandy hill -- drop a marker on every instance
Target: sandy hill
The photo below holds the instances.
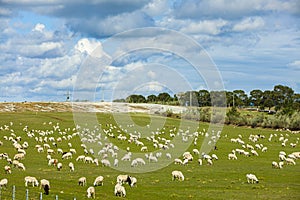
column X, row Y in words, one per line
column 86, row 107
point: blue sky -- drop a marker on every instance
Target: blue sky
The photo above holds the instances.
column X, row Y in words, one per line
column 45, row 44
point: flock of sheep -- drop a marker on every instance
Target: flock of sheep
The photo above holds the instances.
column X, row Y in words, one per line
column 48, row 143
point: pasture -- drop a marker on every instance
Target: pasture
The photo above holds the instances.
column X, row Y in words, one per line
column 224, row 179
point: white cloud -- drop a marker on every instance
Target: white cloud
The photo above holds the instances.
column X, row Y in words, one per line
column 294, row 65
column 249, row 23
column 212, row 27
column 39, row 27
column 86, row 45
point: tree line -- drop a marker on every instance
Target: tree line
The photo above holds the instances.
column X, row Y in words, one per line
column 281, row 98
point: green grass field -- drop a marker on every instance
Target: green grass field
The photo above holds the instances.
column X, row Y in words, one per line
column 225, row 179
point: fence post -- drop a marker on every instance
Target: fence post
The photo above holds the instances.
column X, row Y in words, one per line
column 14, row 192
column 41, row 196
column 27, row 194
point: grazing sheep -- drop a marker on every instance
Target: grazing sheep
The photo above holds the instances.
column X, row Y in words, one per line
column 214, row 156
column 116, row 162
column 232, row 156
column 80, row 158
column 71, row 166
column 3, row 183
column 120, row 190
column 105, row 163
column 133, row 182
column 280, row 164
column 177, row 175
column 200, row 161
column 21, row 166
column 124, row 179
column 7, row 169
column 32, row 180
column 290, row 161
column 98, row 181
column 67, row 155
column 59, row 166
column 44, row 182
column 251, row 178
column 178, row 161
column 53, row 162
column 91, row 192
column 275, row 165
column 82, row 181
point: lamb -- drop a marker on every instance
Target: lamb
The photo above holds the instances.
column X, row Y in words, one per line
column 82, row 181
column 177, row 175
column 98, row 181
column 31, row 179
column 3, row 183
column 91, row 192
column 120, row 190
column 251, row 178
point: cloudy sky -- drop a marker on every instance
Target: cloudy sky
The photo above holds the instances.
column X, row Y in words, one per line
column 107, row 49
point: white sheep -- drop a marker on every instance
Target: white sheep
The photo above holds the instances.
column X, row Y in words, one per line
column 251, row 178
column 232, row 156
column 275, row 165
column 71, row 166
column 82, row 181
column 98, row 181
column 44, row 182
column 3, row 183
column 178, row 161
column 116, row 162
column 7, row 169
column 177, row 175
column 105, row 163
column 133, row 182
column 200, row 161
column 290, row 161
column 120, row 190
column 32, row 180
column 21, row 166
column 59, row 166
column 91, row 192
column 124, row 179
column 67, row 155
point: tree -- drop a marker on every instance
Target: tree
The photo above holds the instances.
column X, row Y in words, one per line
column 134, row 98
column 240, row 98
column 283, row 96
column 151, row 98
column 267, row 100
column 204, row 98
column 164, row 97
column 256, row 97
